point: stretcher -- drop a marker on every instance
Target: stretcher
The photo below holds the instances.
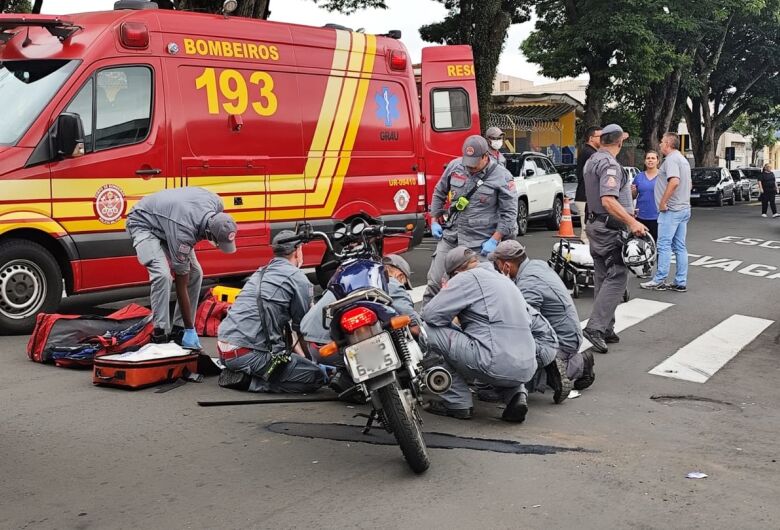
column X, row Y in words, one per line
column 572, row 261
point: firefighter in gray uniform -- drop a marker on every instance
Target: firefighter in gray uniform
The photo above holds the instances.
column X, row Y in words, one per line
column 483, row 207
column 492, row 342
column 611, row 209
column 544, row 291
column 251, row 338
column 165, row 227
column 495, row 139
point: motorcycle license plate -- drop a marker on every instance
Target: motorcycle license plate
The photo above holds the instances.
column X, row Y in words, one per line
column 371, row 357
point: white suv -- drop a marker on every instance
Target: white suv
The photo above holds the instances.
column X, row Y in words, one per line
column 539, row 189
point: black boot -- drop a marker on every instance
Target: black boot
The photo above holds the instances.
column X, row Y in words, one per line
column 177, row 334
column 557, row 380
column 517, row 408
column 610, row 337
column 596, row 338
column 234, row 380
column 159, row 336
column 588, row 374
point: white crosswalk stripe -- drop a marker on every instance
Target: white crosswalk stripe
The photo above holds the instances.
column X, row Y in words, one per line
column 701, row 358
column 631, row 313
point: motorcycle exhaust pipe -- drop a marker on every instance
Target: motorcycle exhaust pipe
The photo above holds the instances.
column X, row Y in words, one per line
column 438, row 380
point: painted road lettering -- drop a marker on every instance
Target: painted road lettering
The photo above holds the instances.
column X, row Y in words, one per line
column 749, row 241
column 758, row 270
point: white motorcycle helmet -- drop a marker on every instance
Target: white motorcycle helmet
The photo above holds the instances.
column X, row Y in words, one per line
column 639, row 254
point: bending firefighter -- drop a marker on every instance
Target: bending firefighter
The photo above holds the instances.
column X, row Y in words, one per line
column 251, row 339
column 165, row 227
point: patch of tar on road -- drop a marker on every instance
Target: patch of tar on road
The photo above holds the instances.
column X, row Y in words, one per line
column 696, row 403
column 353, row 433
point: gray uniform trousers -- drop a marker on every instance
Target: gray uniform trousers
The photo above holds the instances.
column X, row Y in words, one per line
column 300, row 375
column 610, row 275
column 153, row 255
column 462, row 359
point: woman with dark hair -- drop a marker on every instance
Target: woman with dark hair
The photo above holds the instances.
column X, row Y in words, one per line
column 768, row 186
column 643, row 190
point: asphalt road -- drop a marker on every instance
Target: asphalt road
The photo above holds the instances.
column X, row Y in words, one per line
column 76, row 456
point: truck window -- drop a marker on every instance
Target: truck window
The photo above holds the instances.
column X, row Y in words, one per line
column 26, row 87
column 451, row 109
column 123, row 106
column 82, row 105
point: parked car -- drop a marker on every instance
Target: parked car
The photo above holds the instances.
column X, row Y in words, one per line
column 741, row 184
column 539, row 189
column 752, row 174
column 712, row 184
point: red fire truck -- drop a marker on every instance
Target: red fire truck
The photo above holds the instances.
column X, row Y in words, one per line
column 285, row 122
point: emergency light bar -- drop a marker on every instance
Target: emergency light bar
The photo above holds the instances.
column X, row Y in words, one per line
column 62, row 29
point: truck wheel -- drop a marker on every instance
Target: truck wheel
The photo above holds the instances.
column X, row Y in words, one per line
column 405, row 427
column 30, row 283
column 554, row 221
column 522, row 217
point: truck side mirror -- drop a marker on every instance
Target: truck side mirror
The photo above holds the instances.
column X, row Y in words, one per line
column 68, row 136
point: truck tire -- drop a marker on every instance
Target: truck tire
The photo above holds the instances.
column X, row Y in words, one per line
column 405, row 428
column 30, row 283
column 554, row 221
column 522, row 217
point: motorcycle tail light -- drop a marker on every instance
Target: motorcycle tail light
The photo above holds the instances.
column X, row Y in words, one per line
column 357, row 318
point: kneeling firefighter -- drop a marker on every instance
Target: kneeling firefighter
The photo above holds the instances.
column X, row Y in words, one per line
column 251, row 338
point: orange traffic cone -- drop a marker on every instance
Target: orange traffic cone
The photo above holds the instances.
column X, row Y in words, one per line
column 566, row 228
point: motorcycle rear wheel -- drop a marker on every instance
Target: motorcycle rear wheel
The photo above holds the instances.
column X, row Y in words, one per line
column 405, row 427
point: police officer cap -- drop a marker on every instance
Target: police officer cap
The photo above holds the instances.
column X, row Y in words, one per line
column 474, row 148
column 509, row 250
column 284, row 249
column 494, row 132
column 222, row 229
column 614, row 128
column 456, row 258
column 394, row 260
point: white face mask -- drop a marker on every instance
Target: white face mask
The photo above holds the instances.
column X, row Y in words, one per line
column 496, row 144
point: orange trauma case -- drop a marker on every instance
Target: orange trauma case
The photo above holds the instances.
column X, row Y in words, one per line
column 151, row 365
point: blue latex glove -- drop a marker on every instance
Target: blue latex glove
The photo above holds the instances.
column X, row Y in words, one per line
column 190, row 340
column 436, row 230
column 489, row 246
column 327, row 371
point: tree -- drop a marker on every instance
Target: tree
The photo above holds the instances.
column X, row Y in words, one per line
column 735, row 71
column 762, row 130
column 483, row 25
column 15, row 6
column 610, row 40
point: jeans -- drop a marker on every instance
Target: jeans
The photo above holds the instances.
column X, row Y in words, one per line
column 672, row 230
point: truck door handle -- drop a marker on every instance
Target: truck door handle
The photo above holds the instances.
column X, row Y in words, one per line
column 148, row 172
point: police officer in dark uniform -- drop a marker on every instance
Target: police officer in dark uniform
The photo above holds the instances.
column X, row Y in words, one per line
column 610, row 208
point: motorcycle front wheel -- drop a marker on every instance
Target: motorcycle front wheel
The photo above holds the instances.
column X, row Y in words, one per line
column 405, row 427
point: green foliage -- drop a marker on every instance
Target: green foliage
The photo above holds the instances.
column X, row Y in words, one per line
column 762, row 129
column 482, row 24
column 15, row 6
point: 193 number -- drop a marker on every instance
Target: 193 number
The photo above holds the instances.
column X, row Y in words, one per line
column 233, row 88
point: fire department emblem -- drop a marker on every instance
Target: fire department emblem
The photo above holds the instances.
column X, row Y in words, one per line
column 109, row 204
column 401, row 200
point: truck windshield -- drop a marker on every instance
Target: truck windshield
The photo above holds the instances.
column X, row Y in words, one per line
column 26, row 87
